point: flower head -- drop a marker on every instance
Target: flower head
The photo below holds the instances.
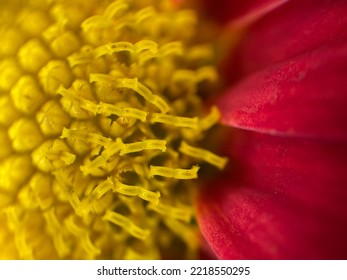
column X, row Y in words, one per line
column 102, row 116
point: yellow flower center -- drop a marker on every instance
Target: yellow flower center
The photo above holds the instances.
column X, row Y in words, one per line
column 101, row 118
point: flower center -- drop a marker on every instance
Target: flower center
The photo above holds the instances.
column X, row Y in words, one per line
column 102, row 119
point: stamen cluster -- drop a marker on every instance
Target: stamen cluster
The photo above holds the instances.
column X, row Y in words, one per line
column 101, row 115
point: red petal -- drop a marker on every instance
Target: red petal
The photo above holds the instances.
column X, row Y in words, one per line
column 292, row 29
column 288, row 202
column 302, row 96
column 245, row 11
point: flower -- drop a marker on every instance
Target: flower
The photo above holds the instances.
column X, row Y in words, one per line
column 103, row 120
column 102, row 117
column 284, row 195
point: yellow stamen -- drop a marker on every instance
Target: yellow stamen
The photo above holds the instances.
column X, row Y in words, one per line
column 176, row 173
column 174, row 120
column 126, row 223
column 180, row 213
column 203, row 154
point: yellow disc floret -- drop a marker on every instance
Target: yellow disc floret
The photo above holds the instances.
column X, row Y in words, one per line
column 101, row 117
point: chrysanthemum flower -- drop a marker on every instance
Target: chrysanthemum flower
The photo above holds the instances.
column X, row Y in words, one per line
column 102, row 119
column 286, row 195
